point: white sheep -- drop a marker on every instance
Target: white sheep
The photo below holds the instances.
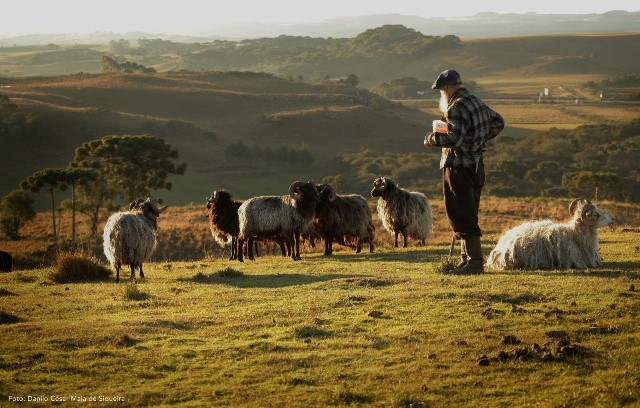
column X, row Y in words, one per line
column 402, row 211
column 130, row 236
column 549, row 245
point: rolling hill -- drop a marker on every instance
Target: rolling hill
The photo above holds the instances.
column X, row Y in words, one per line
column 375, row 56
column 200, row 114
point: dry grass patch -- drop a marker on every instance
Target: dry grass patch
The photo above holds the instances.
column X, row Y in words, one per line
column 78, row 267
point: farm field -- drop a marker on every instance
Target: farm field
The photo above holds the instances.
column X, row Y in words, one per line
column 371, row 329
column 566, row 106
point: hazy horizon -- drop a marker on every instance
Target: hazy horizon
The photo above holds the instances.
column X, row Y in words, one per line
column 197, row 17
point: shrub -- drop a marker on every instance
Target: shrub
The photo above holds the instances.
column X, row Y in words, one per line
column 229, row 273
column 78, row 267
column 445, row 265
column 226, row 273
column 133, row 293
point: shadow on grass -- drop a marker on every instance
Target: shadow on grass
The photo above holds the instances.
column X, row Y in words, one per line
column 8, row 318
column 630, row 270
column 275, row 280
column 422, row 255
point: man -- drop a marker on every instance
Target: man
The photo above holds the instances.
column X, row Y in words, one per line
column 470, row 124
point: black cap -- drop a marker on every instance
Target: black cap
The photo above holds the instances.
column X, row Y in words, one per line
column 448, row 77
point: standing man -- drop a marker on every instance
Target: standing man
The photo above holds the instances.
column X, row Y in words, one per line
column 469, row 125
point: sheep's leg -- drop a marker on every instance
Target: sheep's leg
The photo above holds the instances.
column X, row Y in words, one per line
column 133, row 271
column 117, row 273
column 404, row 238
column 141, row 273
column 255, row 247
column 358, row 247
column 397, row 232
column 292, row 239
column 239, row 249
column 283, row 250
column 234, row 248
column 250, row 248
column 287, row 242
column 328, row 240
column 295, row 251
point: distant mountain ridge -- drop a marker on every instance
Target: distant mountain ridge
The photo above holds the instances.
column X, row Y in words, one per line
column 481, row 25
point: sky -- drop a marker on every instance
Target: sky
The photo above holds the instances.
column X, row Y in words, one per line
column 192, row 16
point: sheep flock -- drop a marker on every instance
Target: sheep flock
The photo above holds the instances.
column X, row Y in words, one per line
column 311, row 211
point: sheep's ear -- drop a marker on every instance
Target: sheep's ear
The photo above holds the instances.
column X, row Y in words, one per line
column 332, row 193
column 135, row 203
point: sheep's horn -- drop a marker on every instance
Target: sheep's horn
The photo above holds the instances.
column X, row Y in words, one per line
column 163, row 209
column 574, row 204
column 293, row 187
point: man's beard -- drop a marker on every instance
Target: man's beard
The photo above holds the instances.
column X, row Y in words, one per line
column 444, row 102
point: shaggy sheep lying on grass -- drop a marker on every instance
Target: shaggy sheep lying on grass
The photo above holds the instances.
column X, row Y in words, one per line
column 130, row 236
column 549, row 245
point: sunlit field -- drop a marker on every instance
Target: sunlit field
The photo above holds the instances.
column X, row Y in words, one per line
column 367, row 329
column 386, row 328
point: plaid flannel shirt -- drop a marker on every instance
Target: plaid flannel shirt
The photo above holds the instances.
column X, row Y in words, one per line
column 471, row 124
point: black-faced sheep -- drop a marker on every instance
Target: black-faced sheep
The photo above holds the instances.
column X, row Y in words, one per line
column 223, row 219
column 403, row 212
column 549, row 245
column 281, row 217
column 345, row 219
column 6, row 262
column 130, row 236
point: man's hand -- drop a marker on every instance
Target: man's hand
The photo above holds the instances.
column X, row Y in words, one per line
column 427, row 144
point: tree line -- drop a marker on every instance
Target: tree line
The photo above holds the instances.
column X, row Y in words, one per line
column 102, row 173
column 594, row 161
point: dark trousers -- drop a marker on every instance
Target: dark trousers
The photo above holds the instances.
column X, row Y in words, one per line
column 462, row 187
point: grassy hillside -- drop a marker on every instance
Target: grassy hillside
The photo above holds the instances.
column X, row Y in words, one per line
column 369, row 329
column 200, row 114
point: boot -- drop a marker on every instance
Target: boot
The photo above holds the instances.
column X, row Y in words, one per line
column 475, row 261
column 463, row 255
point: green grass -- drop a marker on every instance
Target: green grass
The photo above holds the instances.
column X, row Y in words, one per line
column 276, row 332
